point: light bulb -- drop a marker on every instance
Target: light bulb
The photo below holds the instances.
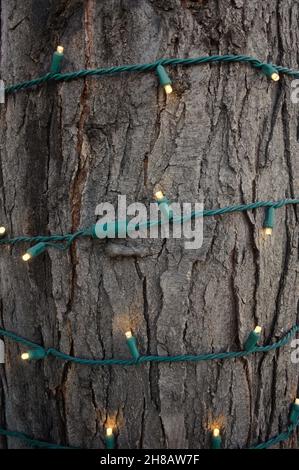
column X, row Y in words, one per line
column 216, row 439
column 132, row 345
column 25, row 356
column 270, row 71
column 164, row 79
column 34, row 250
column 2, row 230
column 268, row 231
column 110, row 439
column 168, row 89
column 275, row 77
column 269, row 220
column 294, row 416
column 159, row 195
column 253, row 339
column 26, row 257
column 57, row 60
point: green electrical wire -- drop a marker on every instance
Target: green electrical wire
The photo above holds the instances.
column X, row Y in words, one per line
column 31, row 442
column 284, row 436
column 63, row 242
column 265, row 68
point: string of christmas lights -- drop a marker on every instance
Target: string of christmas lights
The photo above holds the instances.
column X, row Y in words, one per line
column 216, row 440
column 271, row 71
column 37, row 352
column 63, row 242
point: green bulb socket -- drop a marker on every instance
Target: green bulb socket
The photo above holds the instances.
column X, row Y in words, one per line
column 56, row 63
column 294, row 416
column 36, row 249
column 252, row 340
column 110, row 441
column 269, row 221
column 36, row 354
column 163, row 76
column 216, row 442
column 132, row 345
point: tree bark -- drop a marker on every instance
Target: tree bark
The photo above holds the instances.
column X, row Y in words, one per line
column 225, row 136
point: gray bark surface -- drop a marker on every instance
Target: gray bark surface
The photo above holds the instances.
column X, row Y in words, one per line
column 227, row 135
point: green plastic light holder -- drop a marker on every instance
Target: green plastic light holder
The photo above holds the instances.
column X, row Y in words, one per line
column 163, row 76
column 132, row 345
column 57, row 60
column 216, row 442
column 269, row 220
column 36, row 250
column 36, row 354
column 252, row 340
column 110, row 441
column 294, row 416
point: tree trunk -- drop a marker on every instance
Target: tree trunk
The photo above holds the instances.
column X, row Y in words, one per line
column 227, row 135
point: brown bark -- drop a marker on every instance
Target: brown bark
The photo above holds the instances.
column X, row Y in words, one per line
column 227, row 135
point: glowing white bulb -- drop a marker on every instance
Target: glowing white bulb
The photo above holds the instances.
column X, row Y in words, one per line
column 168, row 89
column 159, row 195
column 275, row 77
column 128, row 334
column 268, row 231
column 216, row 432
column 258, row 329
column 60, row 49
column 25, row 356
column 109, row 432
column 2, row 230
column 297, row 401
column 26, row 257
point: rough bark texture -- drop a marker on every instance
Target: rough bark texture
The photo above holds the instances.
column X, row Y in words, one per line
column 227, row 135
